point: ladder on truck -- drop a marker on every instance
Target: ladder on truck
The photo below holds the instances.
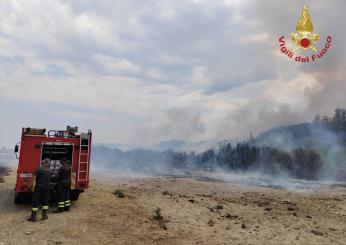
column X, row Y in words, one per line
column 84, row 157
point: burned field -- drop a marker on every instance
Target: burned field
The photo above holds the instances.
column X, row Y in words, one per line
column 4, row 171
column 120, row 209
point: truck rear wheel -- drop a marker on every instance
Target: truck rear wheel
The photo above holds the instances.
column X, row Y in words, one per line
column 74, row 195
column 21, row 198
column 17, row 199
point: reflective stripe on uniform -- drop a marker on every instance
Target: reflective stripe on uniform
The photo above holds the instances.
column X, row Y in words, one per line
column 44, row 207
column 34, row 209
column 67, row 203
column 61, row 204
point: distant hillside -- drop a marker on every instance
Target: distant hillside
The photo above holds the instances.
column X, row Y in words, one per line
column 6, row 155
column 313, row 150
column 119, row 146
column 136, row 160
column 319, row 134
column 183, row 145
column 169, row 145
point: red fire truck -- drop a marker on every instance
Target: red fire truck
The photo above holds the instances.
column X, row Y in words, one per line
column 37, row 145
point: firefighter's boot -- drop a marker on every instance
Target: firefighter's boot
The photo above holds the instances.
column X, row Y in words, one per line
column 33, row 216
column 67, row 205
column 60, row 208
column 44, row 214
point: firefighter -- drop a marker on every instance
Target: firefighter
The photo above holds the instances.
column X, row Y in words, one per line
column 42, row 188
column 64, row 186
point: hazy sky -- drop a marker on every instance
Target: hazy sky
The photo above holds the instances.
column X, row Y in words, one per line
column 140, row 71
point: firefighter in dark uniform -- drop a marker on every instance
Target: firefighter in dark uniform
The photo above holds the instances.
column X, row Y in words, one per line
column 42, row 188
column 64, row 186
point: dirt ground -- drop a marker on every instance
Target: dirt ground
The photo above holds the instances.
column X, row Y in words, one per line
column 194, row 211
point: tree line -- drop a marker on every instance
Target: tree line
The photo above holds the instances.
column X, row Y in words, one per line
column 298, row 163
column 314, row 148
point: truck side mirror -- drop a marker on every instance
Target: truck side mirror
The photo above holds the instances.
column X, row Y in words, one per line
column 16, row 148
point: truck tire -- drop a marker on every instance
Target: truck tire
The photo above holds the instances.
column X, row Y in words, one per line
column 18, row 199
column 74, row 195
column 22, row 198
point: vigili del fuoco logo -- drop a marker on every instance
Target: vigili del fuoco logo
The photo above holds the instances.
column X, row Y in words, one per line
column 304, row 39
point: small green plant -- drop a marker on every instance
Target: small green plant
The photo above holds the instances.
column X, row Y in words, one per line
column 119, row 193
column 157, row 214
column 211, row 222
column 159, row 218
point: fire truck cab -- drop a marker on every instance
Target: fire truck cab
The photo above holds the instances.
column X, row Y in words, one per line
column 36, row 145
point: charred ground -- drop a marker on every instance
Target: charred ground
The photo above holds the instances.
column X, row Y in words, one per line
column 180, row 210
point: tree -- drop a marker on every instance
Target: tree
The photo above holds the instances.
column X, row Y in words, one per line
column 307, row 163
